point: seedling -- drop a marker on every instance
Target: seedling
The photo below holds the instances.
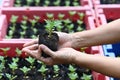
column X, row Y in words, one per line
column 22, row 34
column 71, row 68
column 67, row 3
column 13, row 66
column 5, row 50
column 33, row 22
column 56, row 3
column 31, row 61
column 72, row 13
column 29, row 2
column 18, row 51
column 61, row 16
column 86, row 77
column 11, row 77
column 81, row 15
column 25, row 71
column 37, row 2
column 43, row 70
column 15, row 60
column 56, row 70
column 73, row 76
column 50, row 26
column 13, row 19
column 50, row 15
column 47, row 2
column 37, row 18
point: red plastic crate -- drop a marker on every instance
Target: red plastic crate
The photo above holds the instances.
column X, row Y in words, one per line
column 10, row 3
column 109, row 12
column 13, row 43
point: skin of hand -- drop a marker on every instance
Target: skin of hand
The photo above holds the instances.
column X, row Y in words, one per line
column 64, row 40
column 62, row 56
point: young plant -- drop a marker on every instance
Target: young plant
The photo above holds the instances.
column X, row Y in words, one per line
column 56, row 70
column 37, row 2
column 15, row 60
column 50, row 15
column 5, row 50
column 61, row 16
column 79, row 28
column 11, row 77
column 56, row 3
column 81, row 15
column 71, row 68
column 29, row 2
column 67, row 3
column 37, row 18
column 50, row 26
column 31, row 61
column 18, row 51
column 13, row 19
column 13, row 66
column 70, row 28
column 75, row 3
column 43, row 70
column 25, row 71
column 22, row 34
column 17, row 3
column 86, row 77
column 47, row 2
column 73, row 76
column 33, row 22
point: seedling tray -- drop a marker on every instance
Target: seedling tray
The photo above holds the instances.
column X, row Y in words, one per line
column 10, row 3
column 18, row 43
column 102, row 2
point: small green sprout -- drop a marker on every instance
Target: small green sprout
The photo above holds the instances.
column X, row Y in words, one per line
column 31, row 61
column 73, row 76
column 13, row 19
column 71, row 68
column 11, row 77
column 25, row 71
column 50, row 15
column 37, row 2
column 13, row 66
column 72, row 13
column 86, row 77
column 43, row 69
column 5, row 50
column 50, row 26
column 61, row 16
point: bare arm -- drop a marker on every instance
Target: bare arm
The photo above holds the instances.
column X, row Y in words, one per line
column 105, row 65
column 108, row 33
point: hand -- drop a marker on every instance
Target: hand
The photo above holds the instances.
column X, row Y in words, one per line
column 62, row 56
column 64, row 40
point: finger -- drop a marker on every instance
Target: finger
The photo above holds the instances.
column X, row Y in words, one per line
column 46, row 50
column 30, row 43
column 30, row 52
column 47, row 61
column 32, row 47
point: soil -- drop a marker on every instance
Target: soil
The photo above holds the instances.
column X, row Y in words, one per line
column 50, row 41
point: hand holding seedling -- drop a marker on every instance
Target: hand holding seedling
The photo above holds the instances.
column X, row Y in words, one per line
column 62, row 56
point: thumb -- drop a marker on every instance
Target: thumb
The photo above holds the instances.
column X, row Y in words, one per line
column 46, row 50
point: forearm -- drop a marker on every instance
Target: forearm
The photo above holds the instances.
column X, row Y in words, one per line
column 105, row 34
column 105, row 65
